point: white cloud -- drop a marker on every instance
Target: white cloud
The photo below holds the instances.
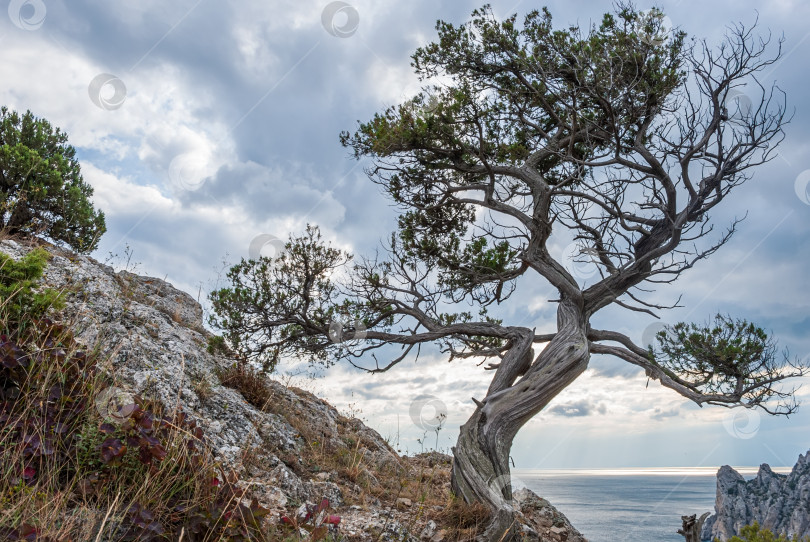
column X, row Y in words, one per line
column 119, row 196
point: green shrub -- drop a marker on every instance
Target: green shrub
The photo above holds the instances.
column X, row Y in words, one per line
column 43, row 192
column 754, row 533
column 21, row 301
column 217, row 345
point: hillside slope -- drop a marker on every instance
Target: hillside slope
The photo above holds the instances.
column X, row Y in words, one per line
column 287, row 446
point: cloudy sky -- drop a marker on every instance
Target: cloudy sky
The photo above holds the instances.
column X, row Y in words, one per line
column 202, row 124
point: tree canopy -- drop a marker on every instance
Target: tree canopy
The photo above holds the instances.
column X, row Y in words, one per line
column 41, row 187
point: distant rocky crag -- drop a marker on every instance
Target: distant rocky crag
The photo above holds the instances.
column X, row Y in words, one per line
column 778, row 502
column 292, row 449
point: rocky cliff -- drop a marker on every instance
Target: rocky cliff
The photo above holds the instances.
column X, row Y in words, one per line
column 287, row 446
column 779, row 502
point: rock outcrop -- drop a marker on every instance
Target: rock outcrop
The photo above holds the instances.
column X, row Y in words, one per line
column 779, row 502
column 543, row 520
column 291, row 449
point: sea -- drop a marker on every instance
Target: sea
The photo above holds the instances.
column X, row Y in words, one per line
column 628, row 505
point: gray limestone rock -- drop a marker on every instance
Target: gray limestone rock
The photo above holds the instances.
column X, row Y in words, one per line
column 779, row 502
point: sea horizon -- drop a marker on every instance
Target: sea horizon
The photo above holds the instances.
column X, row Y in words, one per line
column 744, row 470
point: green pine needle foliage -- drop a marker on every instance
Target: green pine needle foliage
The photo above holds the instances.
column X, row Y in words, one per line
column 42, row 191
column 21, row 299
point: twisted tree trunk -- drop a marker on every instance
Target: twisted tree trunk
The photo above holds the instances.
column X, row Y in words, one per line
column 481, row 455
